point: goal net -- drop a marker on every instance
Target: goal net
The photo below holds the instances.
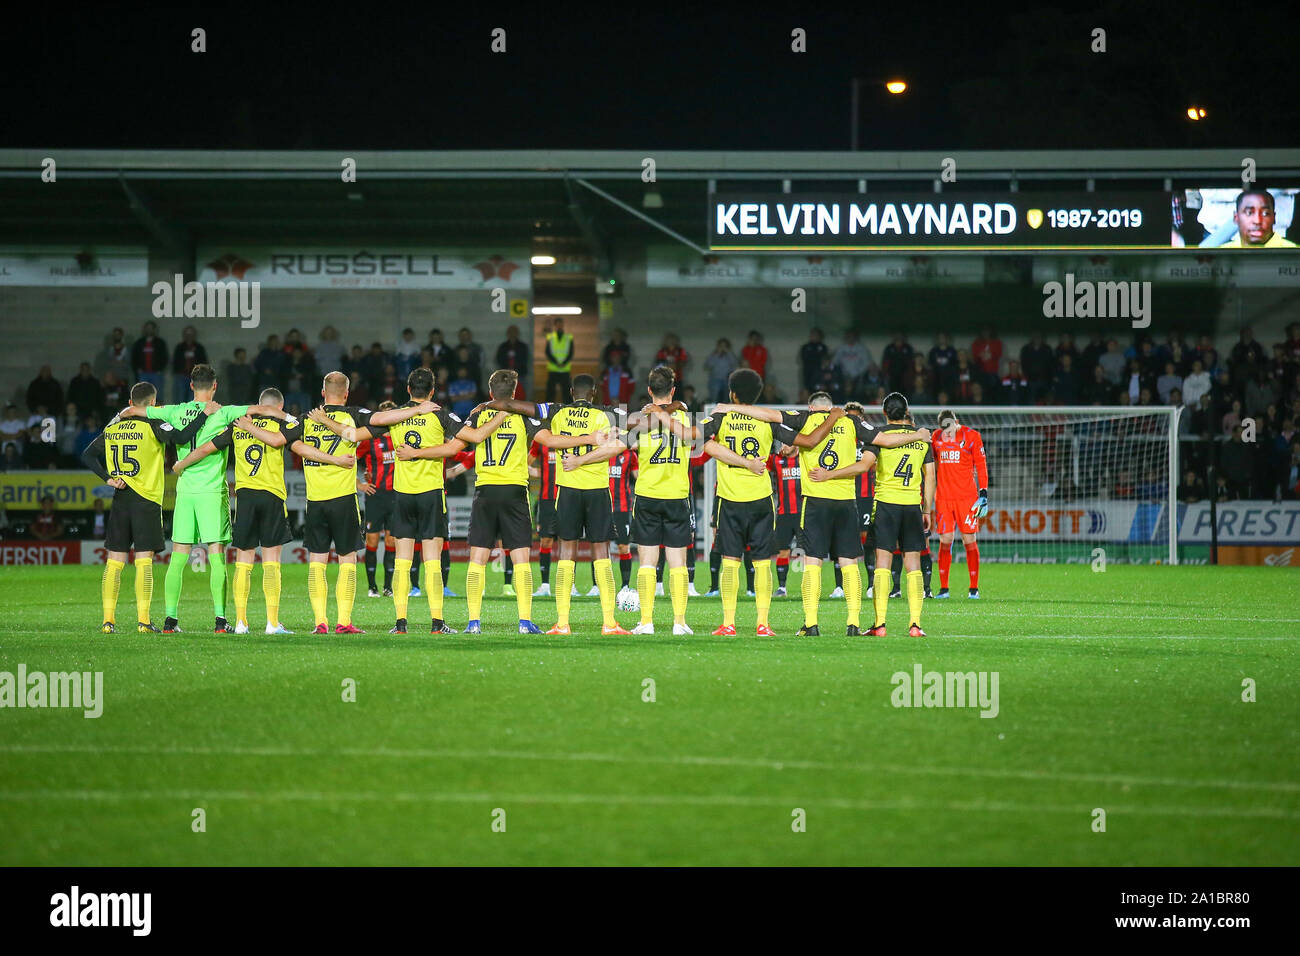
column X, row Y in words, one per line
column 1063, row 482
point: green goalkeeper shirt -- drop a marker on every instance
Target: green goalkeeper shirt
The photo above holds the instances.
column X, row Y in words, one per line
column 208, row 474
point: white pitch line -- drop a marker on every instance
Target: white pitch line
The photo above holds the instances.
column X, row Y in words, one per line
column 720, row 800
column 1236, row 638
column 759, row 763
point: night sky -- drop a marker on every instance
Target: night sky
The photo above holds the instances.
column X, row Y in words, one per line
column 376, row 76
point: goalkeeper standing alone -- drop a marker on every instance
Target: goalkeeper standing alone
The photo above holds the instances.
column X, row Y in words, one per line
column 962, row 498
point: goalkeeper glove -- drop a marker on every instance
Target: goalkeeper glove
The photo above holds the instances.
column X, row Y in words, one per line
column 981, row 506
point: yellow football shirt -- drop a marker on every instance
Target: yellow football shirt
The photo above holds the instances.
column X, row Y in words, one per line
column 899, row 471
column 749, row 438
column 664, row 462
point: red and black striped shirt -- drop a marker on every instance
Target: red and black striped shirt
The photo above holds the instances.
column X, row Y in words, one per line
column 546, row 468
column 377, row 456
column 785, row 482
column 867, row 485
column 621, row 485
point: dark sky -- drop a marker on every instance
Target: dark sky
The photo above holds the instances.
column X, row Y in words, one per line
column 378, row 75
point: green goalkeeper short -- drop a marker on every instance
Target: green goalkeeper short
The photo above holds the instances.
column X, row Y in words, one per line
column 202, row 518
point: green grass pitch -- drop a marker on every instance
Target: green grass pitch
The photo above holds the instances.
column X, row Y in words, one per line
column 1119, row 691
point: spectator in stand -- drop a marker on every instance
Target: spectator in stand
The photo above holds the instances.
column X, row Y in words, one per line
column 829, row 380
column 85, row 392
column 976, row 394
column 358, row 391
column 1282, row 371
column 293, row 344
column 239, row 380
column 188, row 354
column 513, row 354
column 616, row 384
column 407, row 354
column 1065, row 346
column 47, row 525
column 1237, row 462
column 149, row 358
column 754, row 354
column 719, row 364
column 442, row 354
column 67, row 429
column 1279, row 484
column 329, row 351
column 895, row 362
column 1037, row 363
column 89, row 432
column 1231, row 421
column 1201, row 419
column 671, row 354
column 1208, row 354
column 965, row 376
column 986, row 353
column 392, row 388
column 372, row 368
column 1261, row 392
column 44, row 390
column 687, row 397
column 441, row 381
column 41, row 453
column 13, row 430
column 462, row 391
column 271, row 367
column 772, row 395
column 811, row 354
column 1113, row 363
column 354, row 361
column 852, row 359
column 1015, row 387
column 1191, row 489
column 1133, row 383
column 1169, row 382
column 1065, row 381
column 10, row 460
column 943, row 360
column 465, row 340
column 918, row 383
column 115, row 395
column 1091, row 354
column 1197, row 383
column 116, row 357
column 1245, row 357
column 1291, row 347
column 1099, row 391
column 618, row 351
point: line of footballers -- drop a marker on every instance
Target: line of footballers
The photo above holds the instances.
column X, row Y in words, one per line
column 834, row 451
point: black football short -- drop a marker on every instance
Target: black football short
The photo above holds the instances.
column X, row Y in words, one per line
column 742, row 524
column 864, row 513
column 333, row 522
column 828, row 528
column 500, row 512
column 622, row 522
column 381, row 511
column 134, row 522
column 898, row 526
column 546, row 517
column 260, row 520
column 663, row 522
column 787, row 528
column 584, row 514
column 421, row 516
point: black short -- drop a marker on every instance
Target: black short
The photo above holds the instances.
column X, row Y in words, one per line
column 381, row 511
column 421, row 516
column 742, row 524
column 260, row 520
column 134, row 522
column 500, row 512
column 584, row 514
column 787, row 527
column 622, row 522
column 334, row 521
column 898, row 526
column 864, row 513
column 546, row 517
column 828, row 528
column 663, row 522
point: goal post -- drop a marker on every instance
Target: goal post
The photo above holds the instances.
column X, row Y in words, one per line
column 1064, row 481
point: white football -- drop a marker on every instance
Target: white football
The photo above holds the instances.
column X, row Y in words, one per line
column 629, row 600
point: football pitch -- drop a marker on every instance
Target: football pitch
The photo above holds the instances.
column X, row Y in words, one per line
column 1119, row 692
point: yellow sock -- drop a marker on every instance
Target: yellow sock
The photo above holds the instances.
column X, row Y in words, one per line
column 347, row 591
column 603, row 572
column 853, row 593
column 730, row 588
column 645, row 589
column 811, row 590
column 762, row 589
column 271, row 590
column 318, row 591
column 243, row 584
column 915, row 594
column 524, row 590
column 401, row 586
column 563, row 586
column 475, row 576
column 678, row 580
column 143, row 589
column 109, row 585
column 433, row 587
column 880, row 596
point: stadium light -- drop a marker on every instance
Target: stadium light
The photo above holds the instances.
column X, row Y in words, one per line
column 896, row 86
column 557, row 310
column 543, row 260
column 1195, row 113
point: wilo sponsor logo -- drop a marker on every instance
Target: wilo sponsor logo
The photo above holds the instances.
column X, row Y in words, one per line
column 79, row 690
column 1087, row 299
column 75, row 908
column 946, row 689
column 209, row 300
